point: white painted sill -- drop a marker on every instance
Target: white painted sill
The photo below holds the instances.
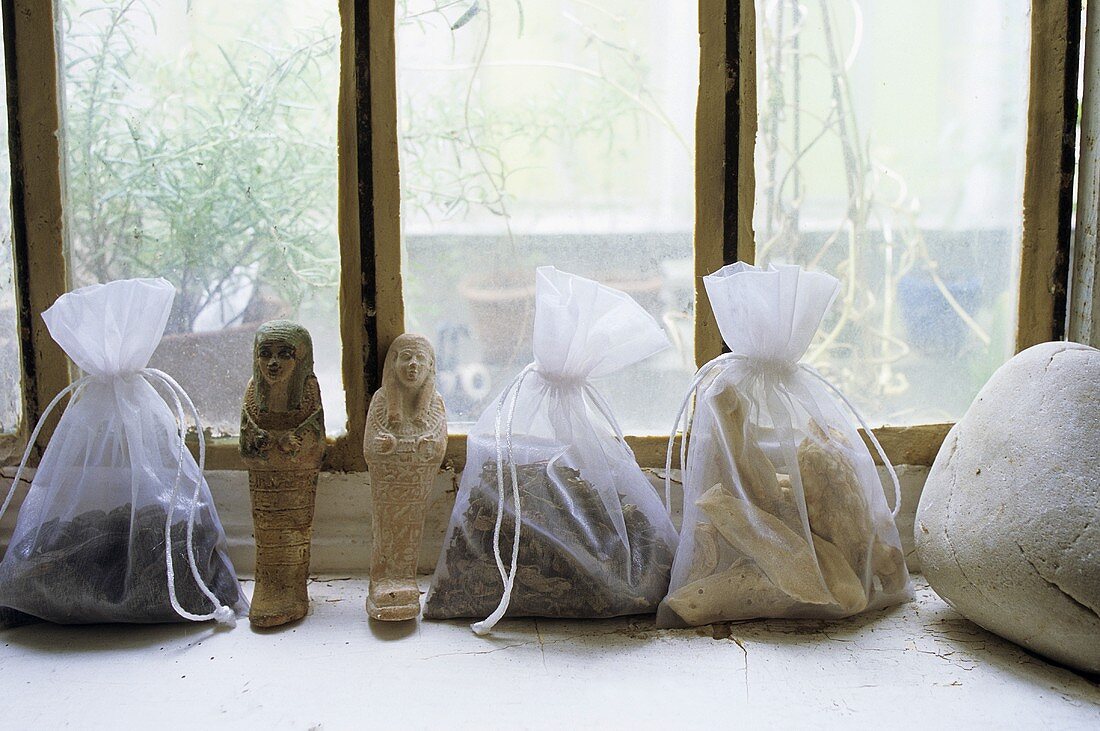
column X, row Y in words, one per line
column 920, row 665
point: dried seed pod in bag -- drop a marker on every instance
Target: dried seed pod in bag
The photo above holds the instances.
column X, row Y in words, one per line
column 837, row 508
column 553, row 517
column 777, row 483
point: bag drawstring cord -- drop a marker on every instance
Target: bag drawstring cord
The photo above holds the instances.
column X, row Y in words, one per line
column 221, row 613
column 685, row 415
column 74, row 388
column 508, row 576
column 604, row 408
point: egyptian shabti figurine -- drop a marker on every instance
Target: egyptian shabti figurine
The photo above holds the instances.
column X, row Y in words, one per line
column 282, row 443
column 404, row 444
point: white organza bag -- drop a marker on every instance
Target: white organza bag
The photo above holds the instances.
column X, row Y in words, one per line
column 784, row 513
column 116, row 479
column 582, row 531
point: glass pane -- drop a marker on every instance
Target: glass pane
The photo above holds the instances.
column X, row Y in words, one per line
column 200, row 145
column 555, row 132
column 11, row 398
column 890, row 153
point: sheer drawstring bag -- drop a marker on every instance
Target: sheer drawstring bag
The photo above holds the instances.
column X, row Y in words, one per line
column 553, row 516
column 784, row 512
column 116, row 479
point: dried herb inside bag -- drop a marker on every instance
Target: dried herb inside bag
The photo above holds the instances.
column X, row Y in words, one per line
column 116, row 558
column 574, row 570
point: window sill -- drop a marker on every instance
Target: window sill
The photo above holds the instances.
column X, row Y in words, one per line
column 904, row 445
column 904, row 668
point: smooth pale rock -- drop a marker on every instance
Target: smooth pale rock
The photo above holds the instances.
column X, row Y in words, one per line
column 1008, row 526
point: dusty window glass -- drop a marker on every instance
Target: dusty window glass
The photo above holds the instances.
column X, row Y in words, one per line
column 199, row 144
column 890, row 153
column 11, row 399
column 553, row 132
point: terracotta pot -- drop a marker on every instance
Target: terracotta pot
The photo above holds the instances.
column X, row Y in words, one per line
column 502, row 308
column 501, row 313
column 645, row 291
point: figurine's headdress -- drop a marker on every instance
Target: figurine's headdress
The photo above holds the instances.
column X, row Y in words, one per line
column 284, row 331
column 391, row 386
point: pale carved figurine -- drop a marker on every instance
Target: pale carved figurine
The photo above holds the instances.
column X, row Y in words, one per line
column 282, row 443
column 404, row 444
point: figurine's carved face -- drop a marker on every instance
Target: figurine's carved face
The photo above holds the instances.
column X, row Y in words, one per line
column 413, row 365
column 276, row 360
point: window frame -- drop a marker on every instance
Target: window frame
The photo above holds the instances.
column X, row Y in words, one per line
column 1084, row 294
column 371, row 307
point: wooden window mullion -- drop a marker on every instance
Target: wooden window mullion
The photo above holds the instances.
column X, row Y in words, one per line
column 1048, row 171
column 725, row 136
column 356, row 230
column 371, row 304
column 37, row 217
column 1084, row 317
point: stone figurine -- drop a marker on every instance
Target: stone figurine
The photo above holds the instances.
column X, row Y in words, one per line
column 404, row 444
column 282, row 443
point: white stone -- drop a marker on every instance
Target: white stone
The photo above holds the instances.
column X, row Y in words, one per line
column 1008, row 527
